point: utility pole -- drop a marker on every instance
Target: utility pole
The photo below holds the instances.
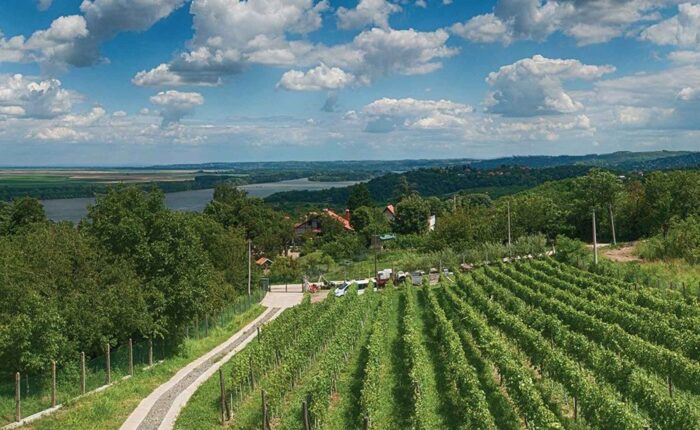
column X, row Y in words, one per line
column 612, row 223
column 249, row 265
column 510, row 238
column 595, row 242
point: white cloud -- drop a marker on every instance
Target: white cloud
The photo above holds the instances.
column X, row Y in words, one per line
column 25, row 97
column 65, row 134
column 316, row 79
column 44, row 4
column 175, row 105
column 484, row 29
column 75, row 39
column 685, row 57
column 387, row 114
column 533, row 86
column 231, row 34
column 681, row 30
column 367, row 12
column 86, row 120
column 586, row 21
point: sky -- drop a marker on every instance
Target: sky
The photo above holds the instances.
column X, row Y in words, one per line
column 138, row 82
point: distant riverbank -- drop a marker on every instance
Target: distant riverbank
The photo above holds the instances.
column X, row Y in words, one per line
column 187, row 201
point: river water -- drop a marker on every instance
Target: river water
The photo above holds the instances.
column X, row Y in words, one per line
column 187, row 201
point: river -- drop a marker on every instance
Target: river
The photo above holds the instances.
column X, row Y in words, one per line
column 187, row 201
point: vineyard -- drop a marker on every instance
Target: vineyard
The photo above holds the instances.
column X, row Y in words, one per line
column 533, row 345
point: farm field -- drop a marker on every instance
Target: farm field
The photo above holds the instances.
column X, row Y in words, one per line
column 537, row 344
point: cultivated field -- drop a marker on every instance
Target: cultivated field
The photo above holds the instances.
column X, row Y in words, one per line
column 532, row 345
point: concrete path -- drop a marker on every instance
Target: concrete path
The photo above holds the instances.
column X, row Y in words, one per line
column 160, row 409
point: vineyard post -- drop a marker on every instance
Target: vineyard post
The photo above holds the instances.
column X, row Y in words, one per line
column 53, row 383
column 510, row 239
column 196, row 326
column 612, row 223
column 223, row 395
column 18, row 405
column 595, row 242
column 305, row 408
column 265, row 417
column 108, row 365
column 131, row 357
column 249, row 264
column 82, row 373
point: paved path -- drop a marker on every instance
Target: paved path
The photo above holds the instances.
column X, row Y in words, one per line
column 160, row 409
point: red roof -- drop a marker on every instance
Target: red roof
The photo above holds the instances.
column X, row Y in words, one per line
column 390, row 208
column 340, row 219
column 262, row 260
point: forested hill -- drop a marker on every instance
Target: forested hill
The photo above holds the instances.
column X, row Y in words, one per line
column 437, row 182
column 623, row 160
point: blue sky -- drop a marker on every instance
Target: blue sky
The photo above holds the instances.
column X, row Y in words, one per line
column 110, row 82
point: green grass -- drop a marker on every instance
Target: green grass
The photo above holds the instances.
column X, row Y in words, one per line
column 110, row 408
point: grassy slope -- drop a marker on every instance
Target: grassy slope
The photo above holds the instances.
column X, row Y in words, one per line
column 110, row 408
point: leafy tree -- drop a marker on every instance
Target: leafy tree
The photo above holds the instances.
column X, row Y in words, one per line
column 411, row 216
column 269, row 230
column 19, row 214
column 359, row 196
column 163, row 248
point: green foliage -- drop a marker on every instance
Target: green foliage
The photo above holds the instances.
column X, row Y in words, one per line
column 682, row 240
column 359, row 196
column 411, row 216
column 232, row 207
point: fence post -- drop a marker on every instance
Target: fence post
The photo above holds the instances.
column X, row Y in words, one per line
column 131, row 357
column 53, row 383
column 206, row 325
column 265, row 424
column 108, row 364
column 150, row 352
column 305, row 408
column 222, row 386
column 18, row 389
column 82, row 373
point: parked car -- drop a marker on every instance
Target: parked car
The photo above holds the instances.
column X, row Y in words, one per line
column 362, row 285
column 343, row 289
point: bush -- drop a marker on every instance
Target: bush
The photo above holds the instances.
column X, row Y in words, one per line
column 570, row 251
column 681, row 241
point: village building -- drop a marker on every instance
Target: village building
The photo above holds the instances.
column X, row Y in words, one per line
column 389, row 212
column 312, row 223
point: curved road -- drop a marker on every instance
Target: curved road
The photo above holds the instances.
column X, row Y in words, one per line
column 160, row 409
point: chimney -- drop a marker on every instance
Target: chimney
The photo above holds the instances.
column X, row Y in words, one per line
column 347, row 215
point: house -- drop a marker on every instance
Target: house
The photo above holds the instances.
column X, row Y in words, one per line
column 312, row 223
column 389, row 212
column 264, row 262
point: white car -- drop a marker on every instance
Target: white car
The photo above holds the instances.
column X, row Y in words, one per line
column 361, row 285
column 343, row 289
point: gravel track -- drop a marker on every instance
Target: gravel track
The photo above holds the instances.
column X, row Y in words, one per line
column 158, row 411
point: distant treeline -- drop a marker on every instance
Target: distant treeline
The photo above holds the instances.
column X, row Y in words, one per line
column 436, row 182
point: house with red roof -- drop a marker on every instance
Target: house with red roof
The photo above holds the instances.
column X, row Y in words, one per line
column 389, row 212
column 312, row 222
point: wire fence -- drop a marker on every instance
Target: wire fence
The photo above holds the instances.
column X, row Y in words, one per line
column 24, row 394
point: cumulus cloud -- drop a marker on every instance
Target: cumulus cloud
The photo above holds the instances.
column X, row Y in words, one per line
column 64, row 134
column 586, row 21
column 316, row 79
column 25, row 97
column 367, row 12
column 231, row 34
column 681, row 30
column 388, row 114
column 44, row 4
column 75, row 39
column 685, row 57
column 175, row 105
column 533, row 86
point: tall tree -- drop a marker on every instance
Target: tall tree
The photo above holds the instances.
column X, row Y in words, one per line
column 359, row 196
column 411, row 216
